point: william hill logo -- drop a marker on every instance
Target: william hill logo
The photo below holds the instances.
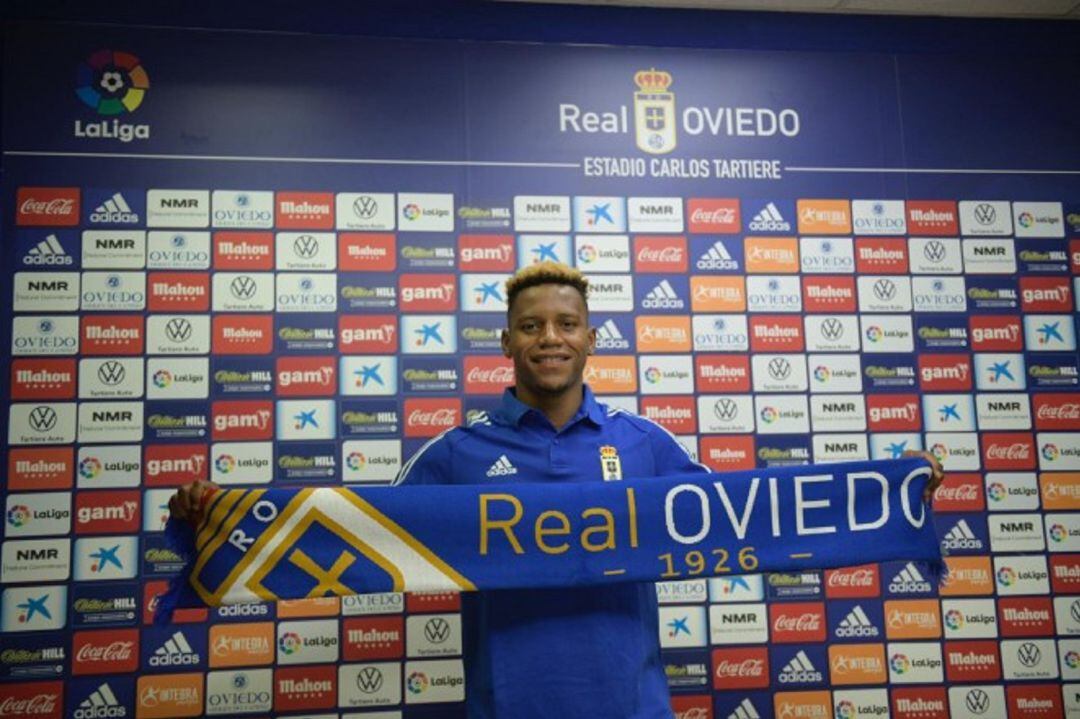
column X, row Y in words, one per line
column 112, row 83
column 657, row 121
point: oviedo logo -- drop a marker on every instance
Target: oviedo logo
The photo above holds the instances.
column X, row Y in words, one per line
column 113, row 84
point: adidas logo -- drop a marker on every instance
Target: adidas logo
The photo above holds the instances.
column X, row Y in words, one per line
column 769, row 220
column 857, row 624
column 909, row 581
column 501, row 468
column 717, row 258
column 799, row 670
column 101, row 704
column 608, row 337
column 48, row 252
column 663, row 296
column 745, row 710
column 961, row 537
column 174, row 652
column 115, row 210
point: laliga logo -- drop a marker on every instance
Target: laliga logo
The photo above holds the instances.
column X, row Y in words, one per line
column 112, row 83
column 356, row 461
column 18, row 515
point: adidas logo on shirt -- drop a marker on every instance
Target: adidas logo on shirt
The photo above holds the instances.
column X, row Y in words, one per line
column 663, row 296
column 961, row 537
column 857, row 624
column 115, row 210
column 174, row 652
column 800, row 670
column 101, row 703
column 717, row 258
column 745, row 710
column 769, row 220
column 48, row 252
column 608, row 337
column 501, row 468
column 909, row 581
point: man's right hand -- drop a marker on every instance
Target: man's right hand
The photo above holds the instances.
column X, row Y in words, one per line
column 186, row 504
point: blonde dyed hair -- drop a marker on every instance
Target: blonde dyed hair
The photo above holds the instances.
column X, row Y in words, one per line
column 546, row 273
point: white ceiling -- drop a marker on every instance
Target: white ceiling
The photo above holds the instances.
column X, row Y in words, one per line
column 1045, row 9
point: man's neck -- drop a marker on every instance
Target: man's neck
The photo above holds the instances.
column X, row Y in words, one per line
column 558, row 408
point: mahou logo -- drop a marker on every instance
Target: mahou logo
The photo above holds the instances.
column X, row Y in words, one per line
column 368, row 334
column 996, row 333
column 675, row 414
column 427, row 417
column 920, row 703
column 797, row 622
column 713, row 216
column 746, row 668
column 772, row 333
column 722, row 373
column 39, row 468
column 170, row 465
column 881, row 256
column 44, row 700
column 660, row 254
column 43, row 379
column 1008, row 451
column 305, row 210
column 960, row 493
column 893, row 413
column 112, row 651
column 243, row 334
column 486, row 253
column 853, row 582
column 47, row 206
column 728, row 453
column 306, row 376
column 243, row 251
column 972, row 661
column 112, row 335
column 932, row 218
column 243, row 421
column 829, row 294
column 487, row 375
column 1055, row 411
column 178, row 291
column 300, row 688
column 367, row 252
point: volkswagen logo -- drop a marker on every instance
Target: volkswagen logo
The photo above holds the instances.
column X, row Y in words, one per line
column 178, row 329
column 42, row 418
column 725, row 409
column 306, row 246
column 437, row 630
column 365, row 207
column 369, row 680
column 934, row 251
column 977, row 701
column 779, row 368
column 1074, row 610
column 111, row 373
column 884, row 289
column 985, row 214
column 242, row 287
column 832, row 328
column 1029, row 654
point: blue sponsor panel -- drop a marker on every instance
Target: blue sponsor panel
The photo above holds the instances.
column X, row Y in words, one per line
column 992, row 294
column 425, row 375
column 480, row 333
column 662, row 294
column 359, row 291
column 476, row 405
column 243, row 613
column 237, row 377
column 908, row 580
column 158, row 558
column 860, row 621
column 687, row 670
column 47, row 249
column 798, row 666
column 314, row 333
column 114, row 208
column 779, row 450
column 794, row 586
column 1072, row 219
column 420, row 252
column 175, row 421
column 369, row 418
column 889, row 373
column 1043, row 256
column 110, row 696
column 1052, row 370
column 33, row 656
column 180, row 647
column 115, row 604
column 941, row 333
column 769, row 216
column 962, row 534
column 744, row 705
column 307, row 462
column 615, row 333
column 716, row 255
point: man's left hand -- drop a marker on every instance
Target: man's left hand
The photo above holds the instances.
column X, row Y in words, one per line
column 936, row 478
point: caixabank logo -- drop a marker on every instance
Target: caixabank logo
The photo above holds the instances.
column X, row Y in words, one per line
column 112, row 83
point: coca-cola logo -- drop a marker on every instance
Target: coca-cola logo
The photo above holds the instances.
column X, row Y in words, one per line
column 805, row 622
column 1069, row 410
column 491, row 375
column 660, row 254
column 746, row 668
column 693, row 713
column 1016, row 450
column 855, row 578
column 433, row 418
column 40, row 704
column 62, row 206
column 117, row 651
column 957, row 493
column 719, row 216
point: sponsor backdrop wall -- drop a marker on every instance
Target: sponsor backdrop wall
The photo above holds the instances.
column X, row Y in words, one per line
column 262, row 259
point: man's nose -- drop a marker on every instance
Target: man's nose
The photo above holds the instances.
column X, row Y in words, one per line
column 550, row 334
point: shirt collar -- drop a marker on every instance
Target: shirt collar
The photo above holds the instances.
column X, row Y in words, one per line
column 513, row 409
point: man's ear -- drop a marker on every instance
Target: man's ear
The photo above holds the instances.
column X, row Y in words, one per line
column 592, row 340
column 505, row 341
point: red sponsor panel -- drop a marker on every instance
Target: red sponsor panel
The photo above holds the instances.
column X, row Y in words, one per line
column 486, row 253
column 972, row 661
column 242, row 421
column 305, row 688
column 853, row 582
column 105, row 651
column 919, row 703
column 32, row 700
column 960, row 493
column 366, row 638
column 881, row 256
column 722, row 373
column 112, row 334
column 1007, row 451
column 1065, row 573
column 152, row 592
column 659, row 253
column 713, row 215
column 742, row 668
column 47, row 206
column 996, row 333
column 428, row 293
column 728, row 453
column 43, row 378
column 829, row 294
column 306, row 376
column 243, row 334
column 1046, row 294
column 797, row 622
column 1056, row 411
column 487, row 375
column 776, row 333
column 367, row 252
column 243, row 251
column 944, row 372
column 691, row 706
column 932, row 218
column 427, row 602
column 893, row 413
column 108, row 512
column 1025, row 616
column 368, row 334
column 178, row 292
column 304, row 211
column 677, row 415
column 1034, row 701
column 169, row 465
column 427, row 417
column 1074, row 256
column 39, row 468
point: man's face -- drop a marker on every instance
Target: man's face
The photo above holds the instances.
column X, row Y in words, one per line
column 548, row 339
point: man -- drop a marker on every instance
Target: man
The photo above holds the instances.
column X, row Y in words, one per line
column 568, row 652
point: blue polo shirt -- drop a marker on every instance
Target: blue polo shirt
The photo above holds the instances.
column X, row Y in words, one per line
column 589, row 652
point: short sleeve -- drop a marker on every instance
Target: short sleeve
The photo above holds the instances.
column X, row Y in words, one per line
column 670, row 456
column 429, row 465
